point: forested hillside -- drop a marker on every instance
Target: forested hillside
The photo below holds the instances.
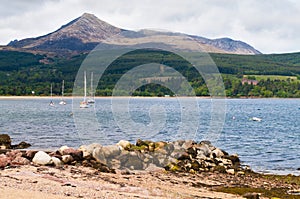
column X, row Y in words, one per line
column 21, row 73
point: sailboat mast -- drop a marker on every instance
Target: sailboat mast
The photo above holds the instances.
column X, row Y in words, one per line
column 51, row 91
column 62, row 89
column 92, row 84
column 84, row 99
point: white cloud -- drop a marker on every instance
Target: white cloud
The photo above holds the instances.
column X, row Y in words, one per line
column 270, row 25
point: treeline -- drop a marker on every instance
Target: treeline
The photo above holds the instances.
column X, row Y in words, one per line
column 264, row 88
column 21, row 73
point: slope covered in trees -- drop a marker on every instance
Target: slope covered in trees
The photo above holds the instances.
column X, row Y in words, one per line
column 21, row 73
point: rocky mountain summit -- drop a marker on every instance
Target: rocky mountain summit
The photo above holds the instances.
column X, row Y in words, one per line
column 85, row 32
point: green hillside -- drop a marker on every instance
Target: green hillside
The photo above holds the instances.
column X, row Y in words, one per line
column 21, row 73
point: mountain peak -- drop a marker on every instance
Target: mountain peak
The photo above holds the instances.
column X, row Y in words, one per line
column 82, row 33
column 87, row 31
column 88, row 15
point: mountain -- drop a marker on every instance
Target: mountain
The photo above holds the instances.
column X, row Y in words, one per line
column 85, row 32
column 227, row 45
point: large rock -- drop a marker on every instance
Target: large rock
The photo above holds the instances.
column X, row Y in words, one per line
column 42, row 158
column 4, row 161
column 57, row 162
column 21, row 145
column 188, row 144
column 204, row 149
column 111, row 151
column 20, row 161
column 124, row 144
column 13, row 154
column 29, row 154
column 217, row 153
column 106, row 154
column 76, row 154
column 67, row 159
column 98, row 154
column 132, row 160
column 89, row 149
column 62, row 149
column 5, row 141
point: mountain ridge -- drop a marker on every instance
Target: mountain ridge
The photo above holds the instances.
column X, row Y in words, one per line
column 87, row 31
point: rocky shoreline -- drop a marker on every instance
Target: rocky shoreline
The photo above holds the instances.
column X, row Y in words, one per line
column 200, row 167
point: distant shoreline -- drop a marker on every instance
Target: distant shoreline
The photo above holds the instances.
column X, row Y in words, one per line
column 142, row 97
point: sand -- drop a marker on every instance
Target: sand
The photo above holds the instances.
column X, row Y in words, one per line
column 82, row 182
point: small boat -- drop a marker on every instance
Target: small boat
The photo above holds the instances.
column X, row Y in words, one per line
column 62, row 101
column 91, row 100
column 84, row 103
column 51, row 102
column 257, row 119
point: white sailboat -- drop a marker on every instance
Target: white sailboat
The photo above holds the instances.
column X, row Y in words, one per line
column 51, row 102
column 84, row 103
column 91, row 100
column 62, row 101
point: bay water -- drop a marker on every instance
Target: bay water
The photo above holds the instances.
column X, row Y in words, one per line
column 271, row 145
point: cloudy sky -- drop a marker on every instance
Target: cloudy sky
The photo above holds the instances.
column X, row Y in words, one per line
column 271, row 26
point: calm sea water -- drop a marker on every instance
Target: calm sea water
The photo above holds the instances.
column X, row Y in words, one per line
column 271, row 145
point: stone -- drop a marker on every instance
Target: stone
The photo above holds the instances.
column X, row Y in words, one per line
column 67, row 159
column 234, row 159
column 226, row 162
column 161, row 160
column 4, row 161
column 204, row 149
column 178, row 144
column 160, row 145
column 124, row 144
column 20, row 161
column 192, row 151
column 99, row 155
column 5, row 141
column 182, row 156
column 42, row 158
column 30, row 154
column 188, row 143
column 57, row 162
column 21, row 145
column 88, row 149
column 131, row 161
column 217, row 153
column 161, row 151
column 76, row 154
column 208, row 144
column 230, row 171
column 140, row 142
column 13, row 154
column 151, row 146
column 169, row 148
column 200, row 155
column 111, row 151
column 241, row 173
column 61, row 149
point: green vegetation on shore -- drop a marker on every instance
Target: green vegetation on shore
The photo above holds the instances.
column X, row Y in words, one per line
column 274, row 186
column 276, row 75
